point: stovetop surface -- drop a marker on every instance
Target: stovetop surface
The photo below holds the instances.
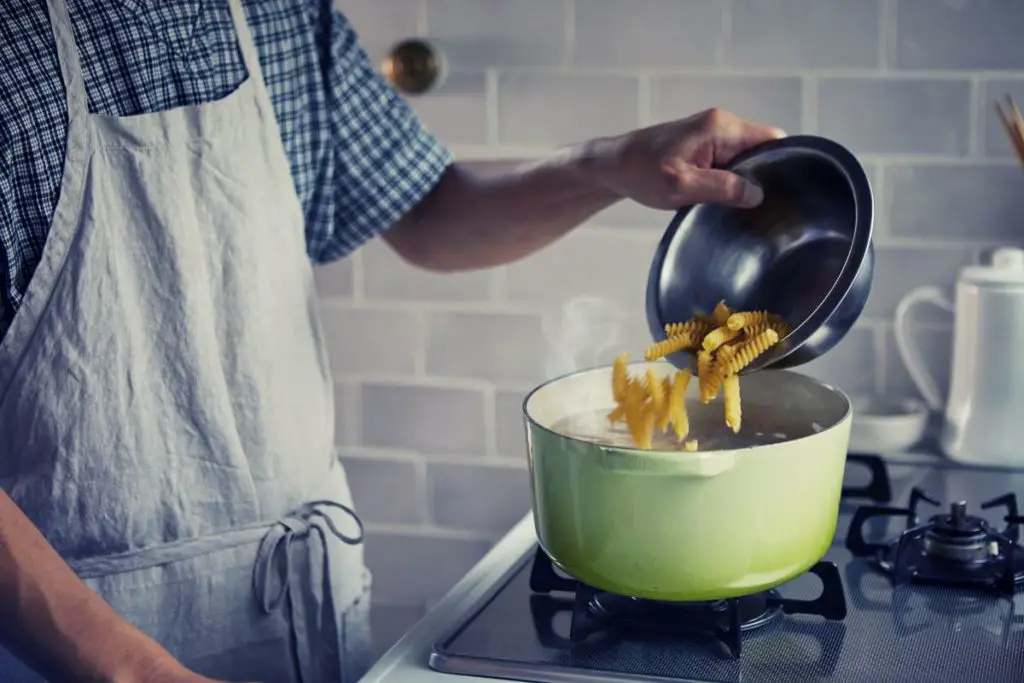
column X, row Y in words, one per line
column 908, row 633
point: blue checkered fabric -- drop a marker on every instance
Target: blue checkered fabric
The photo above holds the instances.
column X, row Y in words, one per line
column 359, row 157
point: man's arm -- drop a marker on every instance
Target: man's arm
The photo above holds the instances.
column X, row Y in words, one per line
column 58, row 626
column 392, row 177
column 487, row 213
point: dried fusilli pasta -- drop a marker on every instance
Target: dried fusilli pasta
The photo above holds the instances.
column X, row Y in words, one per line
column 724, row 343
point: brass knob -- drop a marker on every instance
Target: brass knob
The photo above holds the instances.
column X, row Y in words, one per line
column 414, row 66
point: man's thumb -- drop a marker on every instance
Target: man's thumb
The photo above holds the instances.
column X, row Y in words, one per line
column 714, row 186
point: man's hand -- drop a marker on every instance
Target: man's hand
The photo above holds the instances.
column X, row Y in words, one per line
column 675, row 164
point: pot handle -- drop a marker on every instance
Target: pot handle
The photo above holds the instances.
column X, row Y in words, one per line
column 676, row 464
column 907, row 346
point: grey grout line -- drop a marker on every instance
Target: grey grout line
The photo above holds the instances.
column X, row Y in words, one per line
column 881, row 358
column 513, row 150
column 974, row 108
column 358, row 276
column 645, row 103
column 881, row 208
column 491, row 422
column 421, row 17
column 937, row 160
column 491, row 105
column 727, row 71
column 569, row 30
column 886, row 34
column 426, row 503
column 420, row 355
column 394, row 455
column 428, row 531
column 352, row 410
column 470, row 384
column 723, row 53
column 808, row 104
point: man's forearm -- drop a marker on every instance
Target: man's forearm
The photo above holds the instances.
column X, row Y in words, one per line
column 485, row 213
column 54, row 622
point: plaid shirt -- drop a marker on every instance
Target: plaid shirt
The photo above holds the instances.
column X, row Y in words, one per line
column 359, row 157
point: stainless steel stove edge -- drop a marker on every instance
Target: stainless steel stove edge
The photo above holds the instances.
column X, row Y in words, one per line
column 512, row 671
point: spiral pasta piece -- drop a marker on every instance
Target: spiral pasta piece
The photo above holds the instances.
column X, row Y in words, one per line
column 620, row 377
column 753, row 330
column 656, row 391
column 781, row 327
column 665, row 416
column 696, row 328
column 677, row 405
column 721, row 313
column 731, row 398
column 750, row 350
column 738, row 321
column 705, row 371
column 669, row 346
column 717, row 337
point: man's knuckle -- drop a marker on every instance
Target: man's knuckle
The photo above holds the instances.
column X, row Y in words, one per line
column 715, row 117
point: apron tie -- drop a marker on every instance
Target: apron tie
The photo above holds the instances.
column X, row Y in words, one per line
column 273, row 559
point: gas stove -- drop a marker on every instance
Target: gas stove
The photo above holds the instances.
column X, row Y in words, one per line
column 894, row 599
column 953, row 549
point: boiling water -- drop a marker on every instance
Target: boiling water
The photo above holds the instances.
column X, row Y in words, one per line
column 761, row 425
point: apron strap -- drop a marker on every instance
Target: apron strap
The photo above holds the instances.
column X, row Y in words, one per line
column 272, row 558
column 70, row 64
column 272, row 575
column 247, row 44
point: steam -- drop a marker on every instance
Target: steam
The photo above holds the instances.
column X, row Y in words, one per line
column 586, row 332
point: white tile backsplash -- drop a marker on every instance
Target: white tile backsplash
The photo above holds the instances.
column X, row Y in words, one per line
column 775, row 100
column 548, row 109
column 659, row 33
column 805, row 34
column 896, row 116
column 427, row 419
column 484, row 33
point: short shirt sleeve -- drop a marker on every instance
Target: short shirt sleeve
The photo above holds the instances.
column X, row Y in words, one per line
column 385, row 161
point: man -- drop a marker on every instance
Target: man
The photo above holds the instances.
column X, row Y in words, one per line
column 170, row 505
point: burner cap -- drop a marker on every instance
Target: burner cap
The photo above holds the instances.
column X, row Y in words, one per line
column 958, row 536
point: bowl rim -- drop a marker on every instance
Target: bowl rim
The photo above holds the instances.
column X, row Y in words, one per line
column 851, row 168
column 674, row 456
column 917, row 410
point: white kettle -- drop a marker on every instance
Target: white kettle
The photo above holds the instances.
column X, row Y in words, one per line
column 984, row 413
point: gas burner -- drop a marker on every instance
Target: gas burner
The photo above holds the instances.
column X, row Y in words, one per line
column 595, row 611
column 956, row 548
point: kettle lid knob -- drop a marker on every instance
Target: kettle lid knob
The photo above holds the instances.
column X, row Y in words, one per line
column 1005, row 269
column 1008, row 258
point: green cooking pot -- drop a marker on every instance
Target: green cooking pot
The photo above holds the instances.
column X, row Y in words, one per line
column 743, row 514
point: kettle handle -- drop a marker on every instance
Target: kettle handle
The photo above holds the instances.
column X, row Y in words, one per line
column 907, row 346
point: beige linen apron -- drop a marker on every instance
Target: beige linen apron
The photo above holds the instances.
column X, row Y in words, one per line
column 166, row 409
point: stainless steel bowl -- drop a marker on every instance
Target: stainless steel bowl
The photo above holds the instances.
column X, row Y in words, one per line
column 804, row 254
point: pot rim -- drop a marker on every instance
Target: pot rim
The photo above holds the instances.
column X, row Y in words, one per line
column 676, row 456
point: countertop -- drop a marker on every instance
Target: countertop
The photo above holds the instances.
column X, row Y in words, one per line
column 407, row 660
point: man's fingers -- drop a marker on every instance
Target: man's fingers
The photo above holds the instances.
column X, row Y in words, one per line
column 733, row 135
column 712, row 186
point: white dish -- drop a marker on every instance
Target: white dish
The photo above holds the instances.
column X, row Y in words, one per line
column 886, row 424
